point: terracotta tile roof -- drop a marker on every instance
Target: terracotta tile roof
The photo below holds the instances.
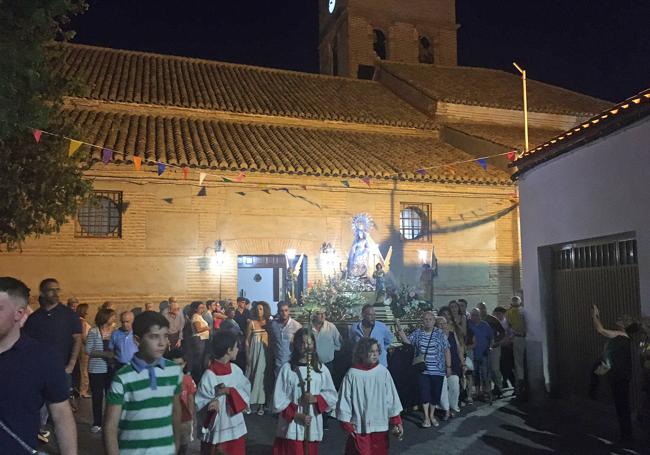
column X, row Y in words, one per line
column 144, row 78
column 608, row 121
column 508, row 136
column 257, row 147
column 491, row 88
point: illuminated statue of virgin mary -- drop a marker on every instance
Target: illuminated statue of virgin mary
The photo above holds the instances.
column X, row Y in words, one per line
column 364, row 250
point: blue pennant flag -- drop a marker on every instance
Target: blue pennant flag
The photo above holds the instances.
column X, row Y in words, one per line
column 161, row 168
column 483, row 163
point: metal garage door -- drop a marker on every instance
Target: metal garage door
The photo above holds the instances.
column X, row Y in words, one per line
column 601, row 272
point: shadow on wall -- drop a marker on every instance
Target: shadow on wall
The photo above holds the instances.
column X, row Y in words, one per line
column 463, row 224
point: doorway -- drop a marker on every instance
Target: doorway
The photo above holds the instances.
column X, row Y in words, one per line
column 603, row 272
column 264, row 277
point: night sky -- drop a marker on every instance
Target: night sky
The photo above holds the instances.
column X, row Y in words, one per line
column 598, row 47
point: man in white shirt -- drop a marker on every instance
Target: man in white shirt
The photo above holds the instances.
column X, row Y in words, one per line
column 328, row 338
column 282, row 331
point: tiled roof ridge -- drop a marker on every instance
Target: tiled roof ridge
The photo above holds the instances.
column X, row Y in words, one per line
column 244, row 117
column 389, row 65
column 212, row 62
column 585, row 132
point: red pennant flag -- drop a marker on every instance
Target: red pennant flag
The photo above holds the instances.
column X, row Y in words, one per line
column 186, row 171
column 512, row 155
column 240, row 177
column 37, row 135
column 137, row 163
column 366, row 180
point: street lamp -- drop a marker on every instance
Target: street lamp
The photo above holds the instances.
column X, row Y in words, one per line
column 423, row 256
column 523, row 79
column 218, row 260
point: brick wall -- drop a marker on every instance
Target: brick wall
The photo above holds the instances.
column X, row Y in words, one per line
column 402, row 22
column 162, row 245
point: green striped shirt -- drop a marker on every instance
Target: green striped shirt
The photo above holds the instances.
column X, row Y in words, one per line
column 146, row 421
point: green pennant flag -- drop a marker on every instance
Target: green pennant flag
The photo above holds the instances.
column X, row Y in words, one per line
column 227, row 180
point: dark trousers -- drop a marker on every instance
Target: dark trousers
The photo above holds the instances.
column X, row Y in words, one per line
column 430, row 388
column 99, row 385
column 507, row 365
column 621, row 393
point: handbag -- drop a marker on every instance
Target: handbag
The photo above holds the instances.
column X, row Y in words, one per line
column 420, row 361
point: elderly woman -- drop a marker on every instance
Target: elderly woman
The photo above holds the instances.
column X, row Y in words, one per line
column 433, row 345
column 100, row 355
column 618, row 357
column 451, row 388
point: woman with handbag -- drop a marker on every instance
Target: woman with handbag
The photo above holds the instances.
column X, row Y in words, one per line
column 432, row 360
column 617, row 366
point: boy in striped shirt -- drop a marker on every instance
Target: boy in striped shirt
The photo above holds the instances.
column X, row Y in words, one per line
column 143, row 415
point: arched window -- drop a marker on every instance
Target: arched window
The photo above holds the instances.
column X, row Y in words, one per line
column 100, row 216
column 426, row 50
column 414, row 221
column 379, row 43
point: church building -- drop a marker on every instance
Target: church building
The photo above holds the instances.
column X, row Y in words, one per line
column 212, row 179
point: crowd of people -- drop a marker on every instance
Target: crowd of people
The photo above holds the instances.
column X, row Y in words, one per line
column 159, row 377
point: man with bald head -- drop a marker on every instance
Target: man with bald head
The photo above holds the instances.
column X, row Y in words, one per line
column 176, row 320
column 121, row 342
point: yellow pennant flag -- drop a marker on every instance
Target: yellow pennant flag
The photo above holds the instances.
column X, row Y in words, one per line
column 137, row 163
column 74, row 146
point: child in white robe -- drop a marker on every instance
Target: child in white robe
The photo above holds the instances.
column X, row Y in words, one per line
column 368, row 403
column 223, row 394
column 297, row 406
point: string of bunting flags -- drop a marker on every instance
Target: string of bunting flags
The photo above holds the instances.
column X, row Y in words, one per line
column 108, row 155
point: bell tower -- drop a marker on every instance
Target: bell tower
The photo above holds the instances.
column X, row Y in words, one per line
column 354, row 33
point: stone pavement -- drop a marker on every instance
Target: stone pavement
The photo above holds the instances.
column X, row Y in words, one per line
column 506, row 427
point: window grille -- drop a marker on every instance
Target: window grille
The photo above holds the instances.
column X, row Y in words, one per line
column 414, row 221
column 610, row 254
column 100, row 216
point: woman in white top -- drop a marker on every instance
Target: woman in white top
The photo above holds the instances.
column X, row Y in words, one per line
column 257, row 355
column 200, row 337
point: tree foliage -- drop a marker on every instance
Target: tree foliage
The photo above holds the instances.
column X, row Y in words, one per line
column 41, row 187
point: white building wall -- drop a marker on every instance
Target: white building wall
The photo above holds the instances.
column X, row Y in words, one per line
column 597, row 190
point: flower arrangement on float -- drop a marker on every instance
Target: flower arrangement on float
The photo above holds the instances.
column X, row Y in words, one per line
column 339, row 297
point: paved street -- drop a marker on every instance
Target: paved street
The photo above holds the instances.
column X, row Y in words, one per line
column 504, row 428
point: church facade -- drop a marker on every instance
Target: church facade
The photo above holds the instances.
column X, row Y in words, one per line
column 208, row 175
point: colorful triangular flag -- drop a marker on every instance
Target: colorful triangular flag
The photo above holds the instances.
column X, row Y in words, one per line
column 168, row 200
column 345, row 183
column 37, row 135
column 483, row 163
column 186, row 171
column 512, row 155
column 366, row 180
column 227, row 180
column 137, row 163
column 241, row 193
column 421, row 172
column 202, row 192
column 240, row 177
column 73, row 147
column 202, row 176
column 107, row 155
column 161, row 168
column 267, row 191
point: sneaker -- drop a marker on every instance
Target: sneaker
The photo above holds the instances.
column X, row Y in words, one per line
column 95, row 429
column 43, row 436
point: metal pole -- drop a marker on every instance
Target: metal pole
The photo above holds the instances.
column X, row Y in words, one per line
column 523, row 79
